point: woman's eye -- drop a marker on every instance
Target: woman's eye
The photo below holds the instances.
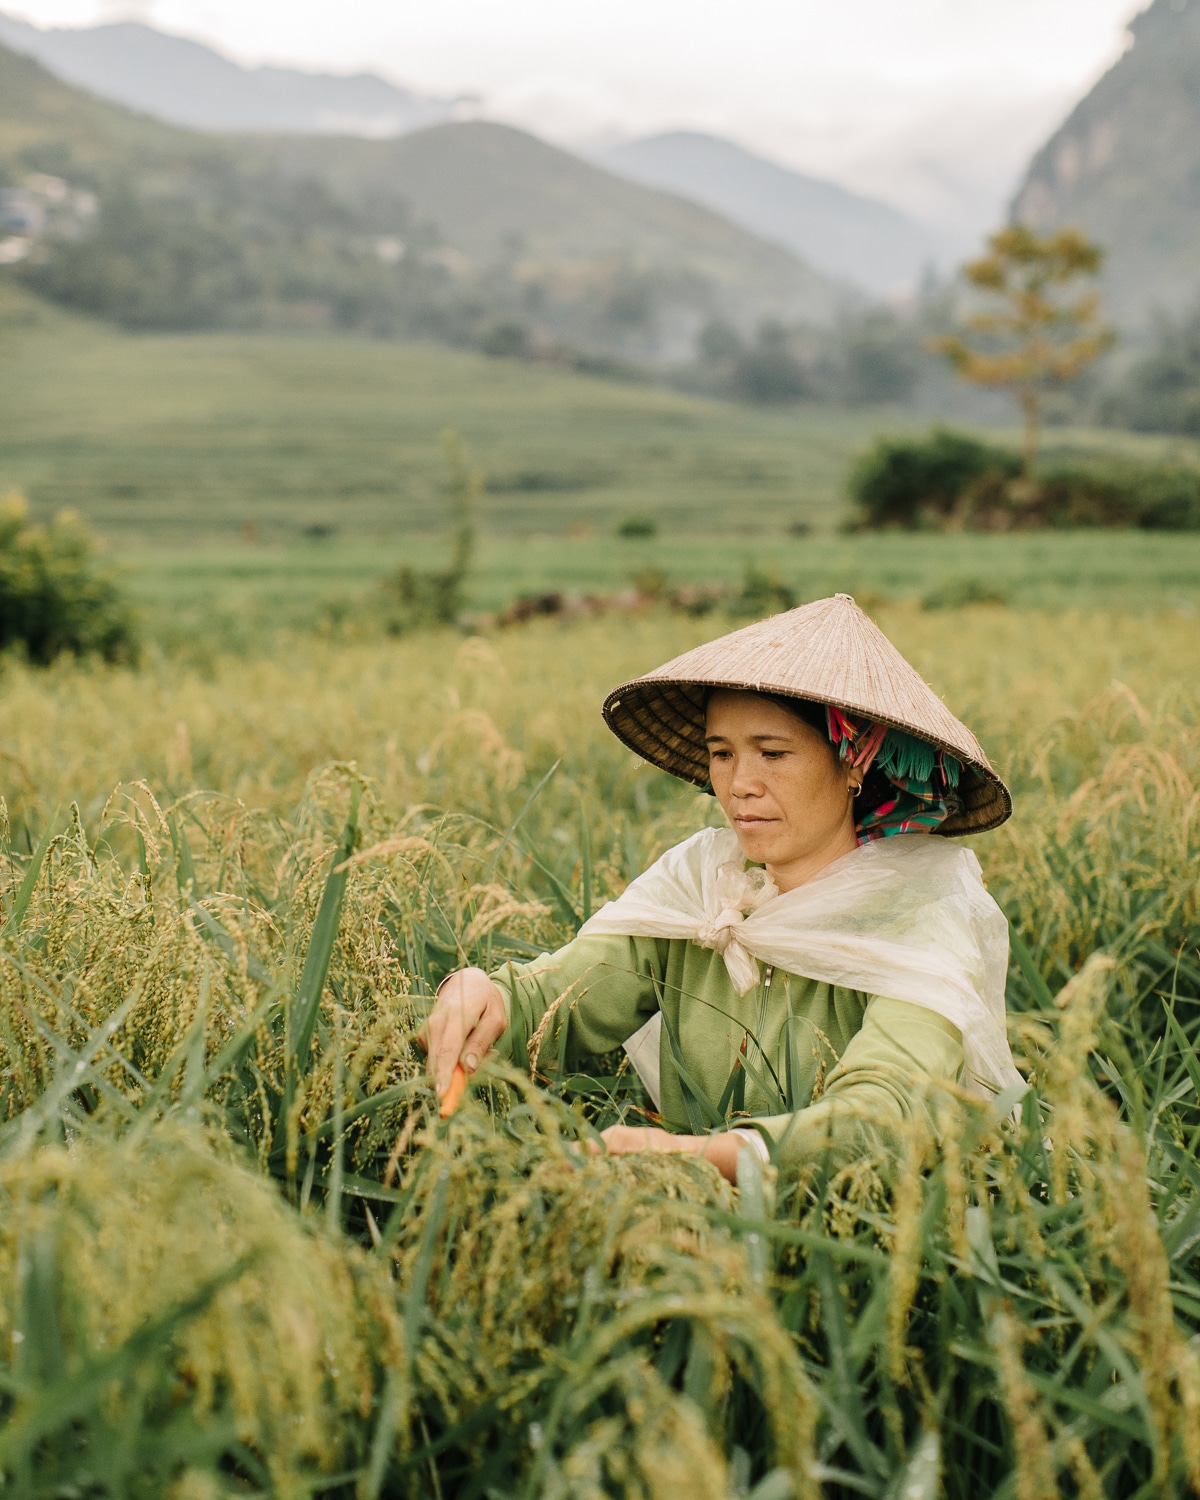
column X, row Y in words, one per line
column 774, row 754
column 718, row 755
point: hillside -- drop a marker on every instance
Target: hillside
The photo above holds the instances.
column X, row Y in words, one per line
column 255, row 482
column 182, row 82
column 44, row 125
column 440, row 233
column 499, row 194
column 1125, row 166
column 844, row 234
column 186, row 83
column 175, row 438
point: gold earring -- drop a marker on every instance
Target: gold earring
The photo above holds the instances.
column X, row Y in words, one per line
column 855, row 788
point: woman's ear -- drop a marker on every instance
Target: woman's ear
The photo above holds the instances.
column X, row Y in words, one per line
column 871, row 747
column 856, row 774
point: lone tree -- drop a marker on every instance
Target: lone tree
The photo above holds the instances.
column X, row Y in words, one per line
column 1037, row 336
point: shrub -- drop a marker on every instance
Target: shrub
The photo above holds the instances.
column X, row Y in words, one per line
column 912, row 482
column 1115, row 492
column 418, row 597
column 638, row 527
column 719, row 341
column 951, row 480
column 881, row 359
column 1170, row 500
column 506, row 340
column 650, row 583
column 770, row 371
column 957, row 593
column 54, row 596
column 763, row 593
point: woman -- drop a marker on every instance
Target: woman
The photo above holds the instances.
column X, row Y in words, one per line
column 832, row 922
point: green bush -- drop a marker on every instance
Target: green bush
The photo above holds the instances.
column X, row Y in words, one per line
column 948, row 480
column 506, row 340
column 54, row 596
column 415, row 598
column 763, row 593
column 881, row 357
column 912, row 482
column 1116, row 492
column 769, row 371
column 958, row 593
column 638, row 528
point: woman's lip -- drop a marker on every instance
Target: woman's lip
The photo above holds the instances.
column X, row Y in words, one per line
column 749, row 818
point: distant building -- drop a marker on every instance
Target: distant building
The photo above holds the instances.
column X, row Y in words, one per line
column 42, row 207
column 22, row 212
column 16, row 247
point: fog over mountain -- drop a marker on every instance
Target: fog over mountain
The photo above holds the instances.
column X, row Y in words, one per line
column 187, row 83
column 1125, row 167
column 926, row 188
column 444, row 232
column 849, row 236
column 845, row 234
column 947, row 154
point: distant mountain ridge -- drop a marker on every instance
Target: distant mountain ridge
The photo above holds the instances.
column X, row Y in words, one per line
column 844, row 234
column 499, row 193
column 1125, row 167
column 187, row 83
column 848, row 236
column 436, row 233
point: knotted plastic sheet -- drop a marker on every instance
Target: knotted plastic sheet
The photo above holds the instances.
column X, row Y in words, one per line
column 907, row 918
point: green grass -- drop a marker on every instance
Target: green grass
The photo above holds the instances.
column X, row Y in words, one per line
column 203, row 460
column 176, row 438
column 170, row 438
column 234, row 595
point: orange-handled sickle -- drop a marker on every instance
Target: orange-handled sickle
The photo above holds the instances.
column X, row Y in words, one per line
column 452, row 1098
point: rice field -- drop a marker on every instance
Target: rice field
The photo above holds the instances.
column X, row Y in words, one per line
column 241, row 1255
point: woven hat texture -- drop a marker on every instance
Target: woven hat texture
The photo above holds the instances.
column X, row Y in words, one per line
column 827, row 652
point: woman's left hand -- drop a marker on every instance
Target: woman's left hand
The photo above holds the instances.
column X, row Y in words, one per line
column 720, row 1150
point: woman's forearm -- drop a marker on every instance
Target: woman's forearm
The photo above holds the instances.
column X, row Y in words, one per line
column 600, row 986
column 721, row 1150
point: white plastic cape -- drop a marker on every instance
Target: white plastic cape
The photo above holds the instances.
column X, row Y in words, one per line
column 906, row 917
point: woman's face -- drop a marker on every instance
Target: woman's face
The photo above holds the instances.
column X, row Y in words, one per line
column 781, row 785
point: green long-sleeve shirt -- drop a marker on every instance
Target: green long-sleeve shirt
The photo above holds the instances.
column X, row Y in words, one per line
column 879, row 1050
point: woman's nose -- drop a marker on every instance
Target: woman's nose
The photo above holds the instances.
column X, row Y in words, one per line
column 744, row 783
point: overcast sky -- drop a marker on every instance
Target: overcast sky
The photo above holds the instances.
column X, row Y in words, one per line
column 934, row 104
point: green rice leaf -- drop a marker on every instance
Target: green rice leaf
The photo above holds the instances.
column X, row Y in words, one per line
column 29, row 882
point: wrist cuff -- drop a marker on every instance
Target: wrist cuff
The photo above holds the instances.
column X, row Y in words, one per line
column 755, row 1142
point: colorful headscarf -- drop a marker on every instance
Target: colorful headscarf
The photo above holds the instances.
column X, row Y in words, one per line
column 922, row 778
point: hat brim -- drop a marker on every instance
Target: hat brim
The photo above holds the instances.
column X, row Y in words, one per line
column 662, row 720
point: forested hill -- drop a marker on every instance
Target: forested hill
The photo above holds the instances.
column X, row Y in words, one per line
column 439, row 233
column 186, row 83
column 1125, row 167
column 43, row 121
column 497, row 193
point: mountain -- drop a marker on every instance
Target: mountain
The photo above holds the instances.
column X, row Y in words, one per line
column 846, row 235
column 186, row 83
column 1125, row 167
column 46, row 126
column 438, row 233
column 498, row 194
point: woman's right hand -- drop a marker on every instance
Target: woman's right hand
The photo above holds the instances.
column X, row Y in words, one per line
column 467, row 1019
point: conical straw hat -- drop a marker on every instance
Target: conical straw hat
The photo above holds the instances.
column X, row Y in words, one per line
column 828, row 652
